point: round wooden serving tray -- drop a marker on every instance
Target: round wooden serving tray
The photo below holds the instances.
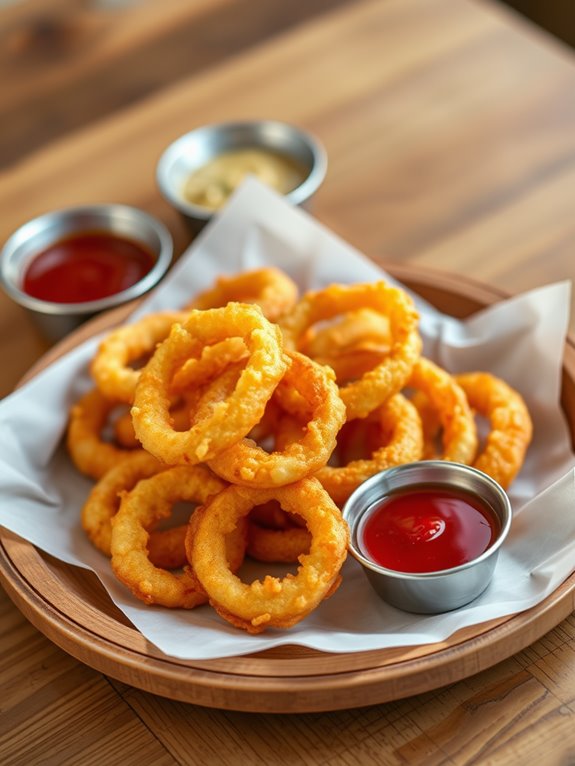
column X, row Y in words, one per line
column 72, row 609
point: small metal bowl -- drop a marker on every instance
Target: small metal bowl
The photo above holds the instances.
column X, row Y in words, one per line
column 55, row 320
column 429, row 592
column 193, row 150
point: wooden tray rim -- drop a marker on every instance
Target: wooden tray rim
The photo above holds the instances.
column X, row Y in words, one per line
column 197, row 682
column 255, row 684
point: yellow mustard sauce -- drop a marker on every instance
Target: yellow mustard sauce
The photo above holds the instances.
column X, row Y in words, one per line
column 212, row 184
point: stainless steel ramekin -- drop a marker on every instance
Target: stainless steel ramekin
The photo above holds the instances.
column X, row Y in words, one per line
column 429, row 592
column 55, row 320
column 194, row 149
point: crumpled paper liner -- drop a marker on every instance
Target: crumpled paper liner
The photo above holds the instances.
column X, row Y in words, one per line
column 520, row 340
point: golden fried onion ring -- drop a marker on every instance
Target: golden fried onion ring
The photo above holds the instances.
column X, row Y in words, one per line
column 248, row 464
column 229, row 420
column 140, row 510
column 459, row 437
column 269, row 288
column 277, row 545
column 211, row 362
column 362, row 329
column 111, row 368
column 401, row 441
column 263, row 544
column 511, row 426
column 430, row 423
column 376, row 385
column 166, row 547
column 270, row 515
column 124, row 432
column 90, row 454
column 104, row 499
column 271, row 602
column 180, row 414
column 354, row 344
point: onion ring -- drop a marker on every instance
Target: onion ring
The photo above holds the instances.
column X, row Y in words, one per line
column 140, row 509
column 362, row 329
column 110, row 366
column 271, row 602
column 375, row 386
column 459, row 437
column 180, row 414
column 89, row 452
column 511, row 427
column 350, row 366
column 103, row 501
column 400, row 441
column 431, row 424
column 277, row 545
column 124, row 432
column 351, row 346
column 166, row 547
column 269, row 288
column 270, row 516
column 231, row 419
column 248, row 464
column 358, row 439
column 212, row 361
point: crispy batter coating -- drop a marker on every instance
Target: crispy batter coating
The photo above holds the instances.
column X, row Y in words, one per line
column 271, row 602
column 212, row 361
column 90, row 453
column 231, row 419
column 459, row 435
column 248, row 464
column 511, row 427
column 150, row 501
column 111, row 367
column 165, row 547
column 351, row 345
column 181, row 409
column 400, row 441
column 375, row 386
column 104, row 499
column 431, row 425
column 269, row 288
column 277, row 545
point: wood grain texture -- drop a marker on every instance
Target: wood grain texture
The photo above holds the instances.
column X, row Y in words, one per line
column 450, row 131
column 59, row 54
column 45, row 690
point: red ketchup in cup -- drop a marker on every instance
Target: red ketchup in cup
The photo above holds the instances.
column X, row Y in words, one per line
column 427, row 529
column 86, row 267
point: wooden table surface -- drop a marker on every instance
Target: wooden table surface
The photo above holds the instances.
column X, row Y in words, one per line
column 450, row 131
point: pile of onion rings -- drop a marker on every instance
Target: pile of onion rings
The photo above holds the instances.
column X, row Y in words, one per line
column 260, row 410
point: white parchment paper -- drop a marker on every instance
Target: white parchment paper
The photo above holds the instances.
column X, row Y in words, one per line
column 520, row 339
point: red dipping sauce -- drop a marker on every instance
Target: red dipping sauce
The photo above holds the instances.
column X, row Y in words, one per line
column 86, row 267
column 428, row 529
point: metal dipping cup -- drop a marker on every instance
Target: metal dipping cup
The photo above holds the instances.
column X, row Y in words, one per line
column 56, row 320
column 194, row 149
column 428, row 592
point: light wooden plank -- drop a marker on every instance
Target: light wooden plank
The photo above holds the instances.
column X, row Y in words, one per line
column 75, row 715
